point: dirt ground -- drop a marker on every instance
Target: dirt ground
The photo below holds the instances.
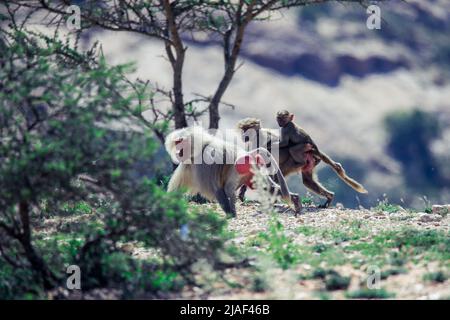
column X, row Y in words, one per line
column 333, row 253
column 347, row 237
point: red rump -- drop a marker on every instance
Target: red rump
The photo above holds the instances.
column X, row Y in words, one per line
column 310, row 162
column 244, row 164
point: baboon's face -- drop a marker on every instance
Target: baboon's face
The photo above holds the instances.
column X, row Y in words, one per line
column 178, row 147
column 282, row 121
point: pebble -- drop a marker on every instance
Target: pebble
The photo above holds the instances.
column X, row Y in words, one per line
column 396, row 215
column 340, row 206
column 418, row 287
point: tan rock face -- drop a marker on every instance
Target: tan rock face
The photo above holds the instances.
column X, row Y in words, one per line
column 441, row 209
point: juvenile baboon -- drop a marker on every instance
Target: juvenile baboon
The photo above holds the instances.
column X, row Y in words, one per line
column 215, row 168
column 297, row 153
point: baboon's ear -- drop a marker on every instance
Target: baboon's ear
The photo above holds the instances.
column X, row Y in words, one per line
column 291, row 117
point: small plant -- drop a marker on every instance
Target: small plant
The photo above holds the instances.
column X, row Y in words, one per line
column 77, row 208
column 332, row 279
column 320, row 247
column 254, row 242
column 428, row 210
column 405, row 245
column 337, row 235
column 423, row 240
column 321, row 273
column 280, row 246
column 367, row 293
column 306, row 230
column 428, row 207
column 438, row 276
column 323, row 295
column 384, row 205
column 336, row 282
column 307, row 201
column 392, row 272
column 396, row 259
column 259, row 284
column 165, row 281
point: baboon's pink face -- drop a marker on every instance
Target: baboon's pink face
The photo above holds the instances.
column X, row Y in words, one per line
column 179, row 147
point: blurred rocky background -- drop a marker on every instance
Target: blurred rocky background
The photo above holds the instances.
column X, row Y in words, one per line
column 376, row 100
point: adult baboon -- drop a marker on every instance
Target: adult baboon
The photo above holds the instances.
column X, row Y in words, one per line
column 215, row 168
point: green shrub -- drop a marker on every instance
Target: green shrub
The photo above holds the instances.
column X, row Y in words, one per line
column 306, row 230
column 384, row 205
column 259, row 284
column 369, row 294
column 72, row 145
column 332, row 279
column 392, row 272
column 396, row 259
column 280, row 246
column 321, row 273
column 337, row 282
column 420, row 168
column 438, row 276
column 307, row 201
column 320, row 247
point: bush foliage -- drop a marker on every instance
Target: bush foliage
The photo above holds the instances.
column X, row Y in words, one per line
column 71, row 138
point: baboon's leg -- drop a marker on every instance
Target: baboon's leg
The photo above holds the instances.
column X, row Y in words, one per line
column 293, row 197
column 281, row 187
column 230, row 192
column 233, row 205
column 224, row 202
column 316, row 187
column 242, row 191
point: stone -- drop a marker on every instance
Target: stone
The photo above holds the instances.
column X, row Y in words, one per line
column 429, row 217
column 396, row 215
column 340, row 206
column 441, row 209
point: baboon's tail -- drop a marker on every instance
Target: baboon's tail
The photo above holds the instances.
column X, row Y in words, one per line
column 341, row 173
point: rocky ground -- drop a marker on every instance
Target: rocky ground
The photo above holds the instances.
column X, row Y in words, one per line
column 333, row 253
column 329, row 254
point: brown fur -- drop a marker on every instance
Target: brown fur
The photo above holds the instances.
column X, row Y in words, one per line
column 289, row 166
